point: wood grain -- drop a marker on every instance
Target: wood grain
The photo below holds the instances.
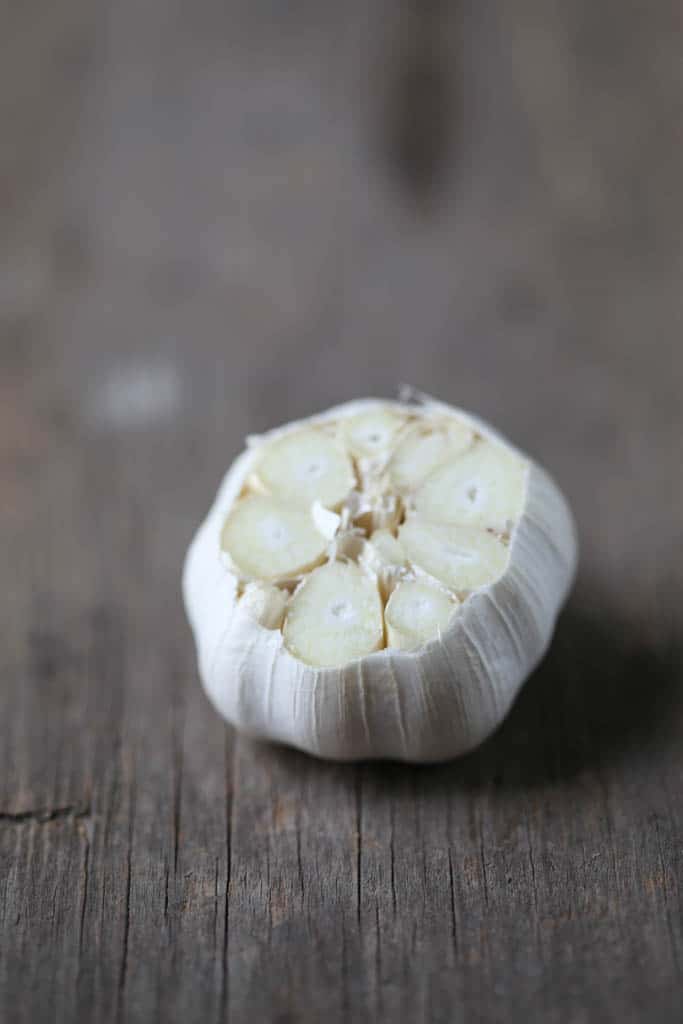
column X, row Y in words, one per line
column 216, row 217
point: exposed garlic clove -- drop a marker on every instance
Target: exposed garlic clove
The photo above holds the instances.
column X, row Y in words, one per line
column 485, row 486
column 463, row 558
column 348, row 693
column 334, row 617
column 423, row 448
column 383, row 550
column 270, row 539
column 415, row 613
column 265, row 603
column 306, row 466
column 370, row 434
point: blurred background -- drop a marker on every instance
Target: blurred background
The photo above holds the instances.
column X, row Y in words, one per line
column 218, row 216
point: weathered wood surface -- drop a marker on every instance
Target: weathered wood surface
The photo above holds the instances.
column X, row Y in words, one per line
column 217, row 216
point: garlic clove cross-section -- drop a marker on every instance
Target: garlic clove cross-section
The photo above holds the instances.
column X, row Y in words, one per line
column 306, row 466
column 483, row 486
column 423, row 449
column 335, row 617
column 462, row 558
column 271, row 540
column 378, row 581
column 416, row 612
column 370, row 433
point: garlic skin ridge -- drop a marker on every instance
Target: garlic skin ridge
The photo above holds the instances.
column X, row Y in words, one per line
column 428, row 704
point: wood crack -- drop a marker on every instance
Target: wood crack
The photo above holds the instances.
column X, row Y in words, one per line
column 84, row 901
column 454, row 930
column 299, row 863
column 392, row 861
column 126, row 930
column 359, row 843
column 123, row 969
column 230, row 761
column 44, row 815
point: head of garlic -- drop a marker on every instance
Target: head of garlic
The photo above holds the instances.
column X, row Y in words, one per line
column 377, row 581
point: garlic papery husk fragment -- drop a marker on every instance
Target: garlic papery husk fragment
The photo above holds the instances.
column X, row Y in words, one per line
column 383, row 551
column 377, row 581
column 383, row 557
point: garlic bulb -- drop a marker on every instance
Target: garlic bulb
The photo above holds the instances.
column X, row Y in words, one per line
column 377, row 581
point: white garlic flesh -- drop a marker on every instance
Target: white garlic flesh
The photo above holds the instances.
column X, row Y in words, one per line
column 378, row 581
column 416, row 612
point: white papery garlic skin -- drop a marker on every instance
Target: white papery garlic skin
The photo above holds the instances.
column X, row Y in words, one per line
column 378, row 581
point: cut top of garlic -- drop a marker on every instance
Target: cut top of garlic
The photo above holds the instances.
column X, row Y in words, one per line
column 269, row 539
column 483, row 486
column 337, row 612
column 423, row 447
column 371, row 433
column 371, row 529
column 306, row 466
column 415, row 612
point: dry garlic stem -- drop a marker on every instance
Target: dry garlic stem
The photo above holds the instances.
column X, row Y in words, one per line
column 378, row 581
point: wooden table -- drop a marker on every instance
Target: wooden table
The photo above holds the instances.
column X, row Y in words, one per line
column 215, row 217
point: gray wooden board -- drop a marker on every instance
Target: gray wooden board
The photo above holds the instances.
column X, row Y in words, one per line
column 215, row 217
